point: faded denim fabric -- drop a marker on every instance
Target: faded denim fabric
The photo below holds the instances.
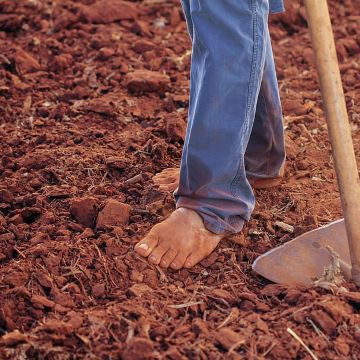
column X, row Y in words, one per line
column 235, row 123
column 276, row 6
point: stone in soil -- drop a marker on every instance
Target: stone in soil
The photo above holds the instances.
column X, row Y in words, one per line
column 25, row 62
column 13, row 338
column 175, row 127
column 108, row 11
column 324, row 321
column 142, row 81
column 138, row 290
column 143, row 45
column 138, row 349
column 84, row 211
column 228, row 338
column 115, row 213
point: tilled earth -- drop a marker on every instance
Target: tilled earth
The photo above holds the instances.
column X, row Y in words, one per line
column 93, row 103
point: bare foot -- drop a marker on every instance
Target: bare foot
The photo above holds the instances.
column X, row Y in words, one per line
column 168, row 180
column 179, row 241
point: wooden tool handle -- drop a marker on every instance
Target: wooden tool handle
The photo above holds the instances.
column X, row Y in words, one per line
column 338, row 124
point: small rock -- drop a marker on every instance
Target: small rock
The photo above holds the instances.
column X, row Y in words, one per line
column 100, row 106
column 76, row 320
column 138, row 290
column 138, row 349
column 106, row 53
column 36, row 161
column 86, row 234
column 175, row 128
column 30, row 214
column 137, row 276
column 13, row 338
column 151, row 278
column 198, row 326
column 224, row 295
column 56, row 326
column 339, row 311
column 210, row 260
column 62, row 298
column 107, row 11
column 227, row 338
column 64, row 20
column 61, row 62
column 143, row 45
column 44, row 280
column 98, row 290
column 140, row 81
column 292, row 296
column 273, row 290
column 6, row 196
column 16, row 279
column 324, row 321
column 115, row 213
column 342, row 346
column 84, row 211
column 25, row 63
column 41, row 302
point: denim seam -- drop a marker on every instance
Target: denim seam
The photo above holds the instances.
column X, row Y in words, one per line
column 236, row 181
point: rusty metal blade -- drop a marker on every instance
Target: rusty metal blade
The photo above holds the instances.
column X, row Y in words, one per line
column 300, row 260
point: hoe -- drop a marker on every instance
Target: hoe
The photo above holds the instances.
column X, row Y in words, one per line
column 304, row 259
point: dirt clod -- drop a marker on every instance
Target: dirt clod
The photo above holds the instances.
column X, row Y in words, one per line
column 142, row 81
column 84, row 211
column 115, row 213
column 228, row 338
column 138, row 349
column 104, row 11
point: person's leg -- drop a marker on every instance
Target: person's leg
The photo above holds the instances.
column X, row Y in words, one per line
column 229, row 46
column 265, row 153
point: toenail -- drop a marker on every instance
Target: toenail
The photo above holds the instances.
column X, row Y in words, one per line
column 143, row 246
column 188, row 264
column 163, row 263
column 175, row 264
column 152, row 258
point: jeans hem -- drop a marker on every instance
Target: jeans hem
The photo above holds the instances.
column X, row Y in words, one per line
column 278, row 10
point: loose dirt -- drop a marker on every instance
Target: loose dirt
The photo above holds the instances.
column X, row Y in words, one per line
column 93, row 100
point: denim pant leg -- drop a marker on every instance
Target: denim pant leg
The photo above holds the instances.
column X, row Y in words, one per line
column 265, row 154
column 229, row 46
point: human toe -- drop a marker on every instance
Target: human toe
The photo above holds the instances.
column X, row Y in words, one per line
column 179, row 261
column 146, row 245
column 168, row 258
column 191, row 261
column 157, row 254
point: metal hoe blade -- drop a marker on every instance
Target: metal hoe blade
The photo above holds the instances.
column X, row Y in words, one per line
column 299, row 261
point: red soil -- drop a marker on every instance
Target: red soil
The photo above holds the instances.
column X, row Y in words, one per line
column 93, row 99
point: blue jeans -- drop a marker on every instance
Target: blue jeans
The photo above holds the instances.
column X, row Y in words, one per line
column 235, row 126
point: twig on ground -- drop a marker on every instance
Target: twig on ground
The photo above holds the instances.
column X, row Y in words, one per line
column 186, row 305
column 296, row 337
column 317, row 330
